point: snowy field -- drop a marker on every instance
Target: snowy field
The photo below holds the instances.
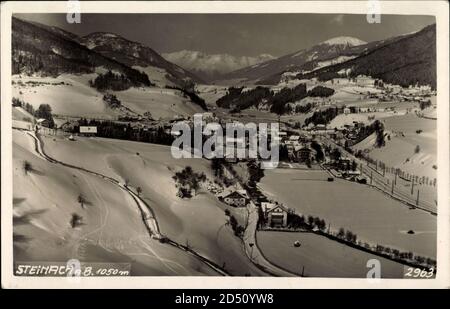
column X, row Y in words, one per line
column 161, row 103
column 112, row 229
column 400, row 149
column 199, row 222
column 76, row 98
column 319, row 256
column 373, row 216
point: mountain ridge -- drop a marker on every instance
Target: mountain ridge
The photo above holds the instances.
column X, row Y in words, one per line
column 45, row 50
column 48, row 50
column 408, row 60
column 212, row 66
column 134, row 54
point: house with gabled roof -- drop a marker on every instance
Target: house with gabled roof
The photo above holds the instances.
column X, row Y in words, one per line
column 236, row 198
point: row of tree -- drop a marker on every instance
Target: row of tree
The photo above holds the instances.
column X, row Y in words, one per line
column 119, row 82
column 188, row 90
column 323, row 116
column 425, row 180
column 250, row 98
column 296, row 221
column 278, row 102
column 111, row 129
column 321, row 91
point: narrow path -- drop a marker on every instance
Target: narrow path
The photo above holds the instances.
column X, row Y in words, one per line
column 147, row 213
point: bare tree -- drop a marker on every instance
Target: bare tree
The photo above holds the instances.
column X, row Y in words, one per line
column 27, row 167
column 81, row 200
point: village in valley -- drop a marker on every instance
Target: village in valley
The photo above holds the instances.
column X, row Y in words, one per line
column 355, row 177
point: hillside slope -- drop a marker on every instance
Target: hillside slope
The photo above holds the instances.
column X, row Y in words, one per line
column 199, row 222
column 111, row 228
column 135, row 54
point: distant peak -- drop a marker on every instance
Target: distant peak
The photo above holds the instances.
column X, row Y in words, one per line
column 344, row 40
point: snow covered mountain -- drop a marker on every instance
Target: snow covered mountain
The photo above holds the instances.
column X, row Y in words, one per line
column 43, row 50
column 324, row 51
column 211, row 66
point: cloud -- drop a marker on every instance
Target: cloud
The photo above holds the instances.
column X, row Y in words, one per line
column 337, row 20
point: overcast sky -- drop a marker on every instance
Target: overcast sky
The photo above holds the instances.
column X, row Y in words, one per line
column 236, row 34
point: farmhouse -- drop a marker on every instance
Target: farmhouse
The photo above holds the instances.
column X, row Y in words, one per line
column 236, row 198
column 275, row 215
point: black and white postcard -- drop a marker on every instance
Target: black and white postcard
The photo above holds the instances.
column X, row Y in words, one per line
column 225, row 144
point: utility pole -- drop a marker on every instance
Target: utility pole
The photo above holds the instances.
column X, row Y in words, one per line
column 395, row 181
column 412, row 186
column 392, row 190
column 417, row 201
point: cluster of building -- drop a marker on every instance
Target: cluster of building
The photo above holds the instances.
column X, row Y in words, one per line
column 299, row 147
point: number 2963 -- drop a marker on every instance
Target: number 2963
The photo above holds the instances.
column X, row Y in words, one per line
column 419, row 273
